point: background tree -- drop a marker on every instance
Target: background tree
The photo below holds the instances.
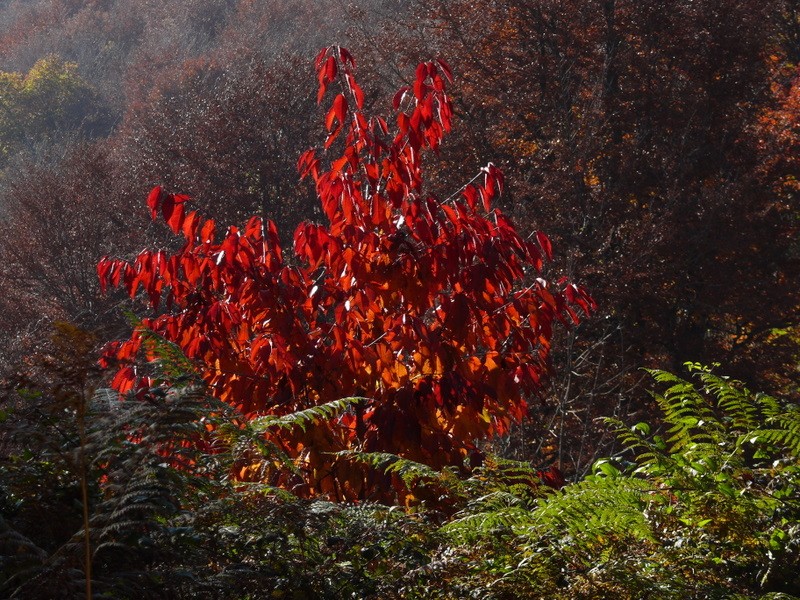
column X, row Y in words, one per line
column 61, row 214
column 630, row 133
column 226, row 132
column 48, row 103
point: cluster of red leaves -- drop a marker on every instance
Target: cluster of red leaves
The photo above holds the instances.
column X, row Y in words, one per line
column 430, row 310
column 779, row 139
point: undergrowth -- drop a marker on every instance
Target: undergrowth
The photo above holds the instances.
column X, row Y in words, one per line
column 702, row 504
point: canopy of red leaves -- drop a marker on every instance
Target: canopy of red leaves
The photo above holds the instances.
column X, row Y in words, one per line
column 430, row 310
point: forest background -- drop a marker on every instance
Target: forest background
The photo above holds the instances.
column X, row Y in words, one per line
column 656, row 144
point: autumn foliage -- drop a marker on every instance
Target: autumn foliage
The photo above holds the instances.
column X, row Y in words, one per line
column 429, row 310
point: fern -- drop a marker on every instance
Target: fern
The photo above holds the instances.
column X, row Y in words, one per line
column 709, row 511
column 488, row 515
column 597, row 507
column 498, row 497
column 736, row 404
column 712, row 511
column 785, row 426
column 304, row 418
column 170, row 362
column 409, row 471
column 688, row 416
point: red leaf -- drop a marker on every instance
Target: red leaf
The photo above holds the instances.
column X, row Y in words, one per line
column 445, row 112
column 544, row 242
column 452, row 216
column 340, row 107
column 124, row 380
column 398, row 97
column 378, row 210
column 346, row 57
column 338, row 165
column 471, row 196
column 167, row 206
column 356, row 90
column 303, row 161
column 445, row 69
column 329, row 118
column 494, row 177
column 332, row 136
column 552, row 477
column 330, row 69
column 403, row 122
column 486, row 193
column 190, row 226
column 175, row 220
column 117, row 273
column 420, row 89
column 230, row 246
column 130, row 279
column 103, row 269
column 153, row 201
column 308, row 164
column 208, row 231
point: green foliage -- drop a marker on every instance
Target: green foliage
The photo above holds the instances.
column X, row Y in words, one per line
column 304, row 418
column 708, row 509
column 47, row 102
column 409, row 471
column 704, row 504
column 168, row 515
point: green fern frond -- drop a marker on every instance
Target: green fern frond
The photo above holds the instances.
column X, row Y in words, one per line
column 409, row 471
column 636, row 438
column 257, row 488
column 771, row 406
column 789, row 421
column 506, row 508
column 504, row 470
column 171, row 363
column 596, row 507
column 734, row 400
column 786, row 439
column 471, row 528
column 662, row 376
column 243, row 439
column 306, row 417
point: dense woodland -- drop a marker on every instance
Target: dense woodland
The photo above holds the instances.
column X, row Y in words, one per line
column 399, row 299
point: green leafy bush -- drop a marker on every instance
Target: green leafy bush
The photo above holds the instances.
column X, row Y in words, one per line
column 706, row 506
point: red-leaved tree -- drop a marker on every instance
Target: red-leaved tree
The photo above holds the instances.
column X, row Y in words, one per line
column 428, row 309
